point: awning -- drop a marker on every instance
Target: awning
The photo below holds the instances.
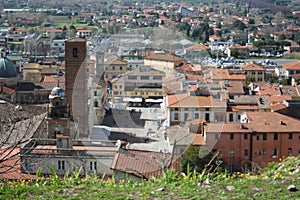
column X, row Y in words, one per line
column 135, row 100
column 154, row 100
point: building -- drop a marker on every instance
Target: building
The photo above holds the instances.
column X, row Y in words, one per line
column 8, row 73
column 183, row 107
column 84, row 33
column 288, row 69
column 144, row 82
column 254, row 71
column 76, row 75
column 59, row 150
column 263, row 137
column 164, row 62
column 238, row 51
column 115, row 67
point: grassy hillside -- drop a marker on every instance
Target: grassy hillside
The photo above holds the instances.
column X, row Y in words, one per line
column 272, row 183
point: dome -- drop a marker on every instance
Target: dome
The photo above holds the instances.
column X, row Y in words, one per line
column 57, row 92
column 7, row 68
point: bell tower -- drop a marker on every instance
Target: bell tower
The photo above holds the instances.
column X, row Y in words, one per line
column 76, row 82
column 58, row 119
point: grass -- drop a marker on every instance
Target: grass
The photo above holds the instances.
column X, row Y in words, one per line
column 272, row 183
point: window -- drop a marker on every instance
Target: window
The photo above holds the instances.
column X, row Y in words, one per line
column 275, row 136
column 132, row 77
column 207, row 116
column 196, row 115
column 59, row 143
column 265, row 136
column 176, row 109
column 144, row 77
column 95, row 93
column 257, row 137
column 246, row 152
column 113, row 68
column 231, row 153
column 121, row 68
column 176, row 116
column 93, row 166
column 231, row 117
column 186, row 109
column 264, row 151
column 61, row 165
column 245, row 136
column 75, row 52
column 96, row 104
column 253, row 73
column 290, row 151
column 216, row 136
column 206, row 109
column 196, row 109
column 186, row 116
column 275, row 153
column 231, row 136
column 290, row 136
column 157, row 78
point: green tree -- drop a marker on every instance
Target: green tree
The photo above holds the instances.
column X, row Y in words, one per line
column 238, row 25
column 297, row 37
column 198, row 157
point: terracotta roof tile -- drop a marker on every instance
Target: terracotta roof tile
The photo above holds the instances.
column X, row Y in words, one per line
column 292, row 66
column 185, row 100
column 253, row 67
column 279, row 98
column 269, row 90
column 144, row 164
column 11, row 165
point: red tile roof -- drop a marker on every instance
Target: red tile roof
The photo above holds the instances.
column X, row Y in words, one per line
column 279, row 98
column 50, row 79
column 198, row 47
column 10, row 167
column 269, row 90
column 144, row 164
column 186, row 100
column 253, row 67
column 7, row 90
column 258, row 122
column 292, row 66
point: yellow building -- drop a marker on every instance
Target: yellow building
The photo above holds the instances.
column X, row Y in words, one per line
column 164, row 62
column 254, row 71
column 115, row 67
column 144, row 82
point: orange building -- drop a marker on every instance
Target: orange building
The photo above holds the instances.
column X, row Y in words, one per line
column 263, row 137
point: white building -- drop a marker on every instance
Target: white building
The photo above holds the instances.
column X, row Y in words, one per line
column 183, row 107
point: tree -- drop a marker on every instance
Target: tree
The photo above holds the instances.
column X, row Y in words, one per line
column 258, row 44
column 198, row 157
column 297, row 37
column 238, row 25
